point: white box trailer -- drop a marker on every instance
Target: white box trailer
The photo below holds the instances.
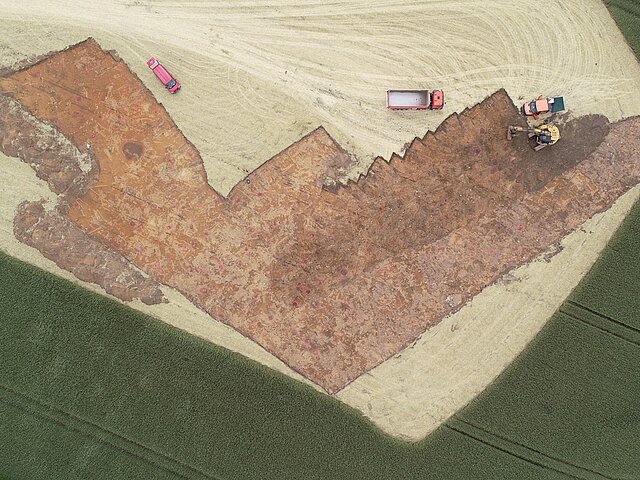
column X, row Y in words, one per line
column 415, row 99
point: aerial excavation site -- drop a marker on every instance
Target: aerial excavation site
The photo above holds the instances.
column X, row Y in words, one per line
column 319, row 240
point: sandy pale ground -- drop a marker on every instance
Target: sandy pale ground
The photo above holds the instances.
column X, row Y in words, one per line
column 411, row 394
column 258, row 75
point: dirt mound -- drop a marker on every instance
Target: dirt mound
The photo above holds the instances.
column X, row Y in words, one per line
column 331, row 279
column 84, row 256
column 69, row 171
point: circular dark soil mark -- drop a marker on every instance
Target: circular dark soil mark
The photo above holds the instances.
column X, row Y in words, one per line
column 578, row 139
column 132, row 150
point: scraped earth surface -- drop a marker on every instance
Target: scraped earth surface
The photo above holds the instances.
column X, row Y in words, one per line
column 81, row 254
column 69, row 172
column 332, row 279
column 259, row 75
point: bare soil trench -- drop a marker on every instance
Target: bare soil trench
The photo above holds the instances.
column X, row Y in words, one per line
column 331, row 279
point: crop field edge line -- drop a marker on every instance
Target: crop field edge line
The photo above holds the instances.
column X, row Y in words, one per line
column 48, row 413
column 611, row 328
column 621, row 6
column 595, row 313
column 521, row 451
column 634, row 212
column 631, row 38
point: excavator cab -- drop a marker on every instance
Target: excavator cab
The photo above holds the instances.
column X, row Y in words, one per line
column 543, row 138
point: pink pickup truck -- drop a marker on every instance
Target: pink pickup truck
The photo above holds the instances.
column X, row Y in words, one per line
column 165, row 77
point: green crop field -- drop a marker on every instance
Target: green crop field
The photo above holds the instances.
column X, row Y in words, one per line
column 92, row 389
column 87, row 382
column 626, row 13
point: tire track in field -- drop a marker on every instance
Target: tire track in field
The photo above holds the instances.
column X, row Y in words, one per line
column 523, row 452
column 101, row 435
column 339, row 59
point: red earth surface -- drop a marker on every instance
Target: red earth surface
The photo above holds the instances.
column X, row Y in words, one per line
column 333, row 279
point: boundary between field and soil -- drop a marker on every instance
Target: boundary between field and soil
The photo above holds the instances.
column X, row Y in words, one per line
column 626, row 14
column 93, row 389
column 88, row 382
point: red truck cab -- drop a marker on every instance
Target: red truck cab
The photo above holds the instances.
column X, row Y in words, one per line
column 163, row 75
column 543, row 105
column 437, row 99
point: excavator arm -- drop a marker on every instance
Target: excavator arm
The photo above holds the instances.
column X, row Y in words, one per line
column 544, row 135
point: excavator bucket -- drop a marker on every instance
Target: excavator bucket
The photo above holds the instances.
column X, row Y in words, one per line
column 511, row 129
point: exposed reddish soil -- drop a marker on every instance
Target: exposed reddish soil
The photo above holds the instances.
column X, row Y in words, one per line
column 332, row 279
column 89, row 260
column 69, row 171
column 67, row 168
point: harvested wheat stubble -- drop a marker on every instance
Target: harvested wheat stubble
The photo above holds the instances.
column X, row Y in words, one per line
column 331, row 279
column 261, row 76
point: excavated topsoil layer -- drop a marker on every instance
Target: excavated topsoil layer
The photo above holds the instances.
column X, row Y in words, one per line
column 87, row 258
column 332, row 279
column 69, row 171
